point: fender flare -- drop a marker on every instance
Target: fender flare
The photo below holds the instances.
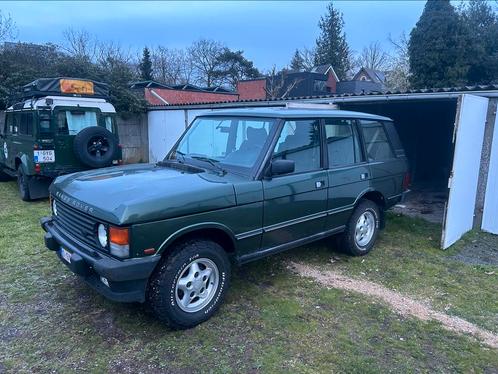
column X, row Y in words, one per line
column 23, row 163
column 193, row 228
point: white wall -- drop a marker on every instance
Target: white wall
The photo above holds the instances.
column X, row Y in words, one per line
column 165, row 127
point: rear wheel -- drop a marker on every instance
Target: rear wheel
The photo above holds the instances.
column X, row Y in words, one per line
column 189, row 285
column 22, row 182
column 362, row 229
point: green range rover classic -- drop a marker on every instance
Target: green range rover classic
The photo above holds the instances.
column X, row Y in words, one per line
column 237, row 186
column 59, row 126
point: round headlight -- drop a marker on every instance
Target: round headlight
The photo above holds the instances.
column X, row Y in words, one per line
column 102, row 234
column 54, row 207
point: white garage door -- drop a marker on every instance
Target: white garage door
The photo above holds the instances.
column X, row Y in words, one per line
column 490, row 214
column 468, row 139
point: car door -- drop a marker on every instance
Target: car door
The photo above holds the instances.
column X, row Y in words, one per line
column 295, row 203
column 348, row 173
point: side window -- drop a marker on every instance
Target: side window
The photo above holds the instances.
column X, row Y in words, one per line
column 377, row 145
column 342, row 144
column 26, row 125
column 300, row 141
column 16, row 123
column 8, row 123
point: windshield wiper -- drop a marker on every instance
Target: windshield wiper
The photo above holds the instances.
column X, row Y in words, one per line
column 181, row 154
column 211, row 161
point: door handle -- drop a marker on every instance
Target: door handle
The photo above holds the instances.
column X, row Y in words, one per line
column 319, row 184
column 363, row 176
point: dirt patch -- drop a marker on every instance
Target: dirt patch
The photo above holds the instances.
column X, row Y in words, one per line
column 480, row 251
column 403, row 305
column 426, row 203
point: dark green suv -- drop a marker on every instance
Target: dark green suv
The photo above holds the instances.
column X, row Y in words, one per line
column 59, row 126
column 237, row 186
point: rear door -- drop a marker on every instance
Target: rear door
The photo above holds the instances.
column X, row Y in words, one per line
column 295, row 205
column 348, row 173
column 468, row 140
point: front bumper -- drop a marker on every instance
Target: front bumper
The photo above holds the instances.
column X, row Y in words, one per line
column 127, row 279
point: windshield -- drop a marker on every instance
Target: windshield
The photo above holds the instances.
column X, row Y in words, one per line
column 228, row 140
column 71, row 122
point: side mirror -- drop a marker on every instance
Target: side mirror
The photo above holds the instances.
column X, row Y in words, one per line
column 279, row 167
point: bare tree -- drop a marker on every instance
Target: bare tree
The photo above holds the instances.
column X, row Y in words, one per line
column 277, row 86
column 373, row 57
column 172, row 66
column 106, row 52
column 204, row 55
column 80, row 43
column 397, row 77
column 308, row 56
column 8, row 28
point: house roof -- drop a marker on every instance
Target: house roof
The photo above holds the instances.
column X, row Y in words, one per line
column 182, row 87
column 449, row 90
column 376, row 76
column 324, row 69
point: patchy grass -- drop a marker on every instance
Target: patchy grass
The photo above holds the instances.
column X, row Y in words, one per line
column 271, row 321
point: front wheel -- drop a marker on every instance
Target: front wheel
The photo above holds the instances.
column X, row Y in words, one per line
column 22, row 183
column 362, row 229
column 189, row 285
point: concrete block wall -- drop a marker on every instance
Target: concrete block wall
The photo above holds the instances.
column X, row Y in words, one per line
column 133, row 136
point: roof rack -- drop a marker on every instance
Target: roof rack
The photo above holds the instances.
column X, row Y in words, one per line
column 326, row 106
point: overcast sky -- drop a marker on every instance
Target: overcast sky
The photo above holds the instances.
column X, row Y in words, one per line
column 268, row 32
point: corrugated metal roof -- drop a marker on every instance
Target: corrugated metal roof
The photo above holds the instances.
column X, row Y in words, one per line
column 477, row 88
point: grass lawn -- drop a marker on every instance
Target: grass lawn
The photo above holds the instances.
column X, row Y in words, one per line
column 272, row 320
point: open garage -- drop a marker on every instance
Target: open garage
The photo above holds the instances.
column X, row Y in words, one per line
column 447, row 136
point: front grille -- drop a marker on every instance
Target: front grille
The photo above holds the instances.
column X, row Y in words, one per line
column 76, row 225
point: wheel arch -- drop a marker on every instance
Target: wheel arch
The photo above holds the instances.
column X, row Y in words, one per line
column 216, row 232
column 376, row 197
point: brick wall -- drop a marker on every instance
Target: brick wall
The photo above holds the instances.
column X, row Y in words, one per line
column 331, row 82
column 185, row 96
column 252, row 89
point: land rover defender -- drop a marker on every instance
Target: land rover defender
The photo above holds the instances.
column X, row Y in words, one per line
column 59, row 126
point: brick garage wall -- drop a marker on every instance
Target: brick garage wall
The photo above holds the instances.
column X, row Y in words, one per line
column 331, row 83
column 133, row 136
column 184, row 96
column 252, row 89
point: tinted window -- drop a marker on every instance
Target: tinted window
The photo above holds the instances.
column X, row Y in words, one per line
column 377, row 145
column 342, row 143
column 300, row 141
column 26, row 125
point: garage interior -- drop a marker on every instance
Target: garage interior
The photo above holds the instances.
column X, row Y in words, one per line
column 426, row 130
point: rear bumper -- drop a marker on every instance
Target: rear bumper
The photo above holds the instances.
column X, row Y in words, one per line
column 127, row 279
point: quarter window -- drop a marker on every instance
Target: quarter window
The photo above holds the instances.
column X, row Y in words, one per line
column 377, row 145
column 342, row 144
column 300, row 141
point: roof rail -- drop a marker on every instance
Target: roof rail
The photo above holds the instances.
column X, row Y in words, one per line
column 328, row 106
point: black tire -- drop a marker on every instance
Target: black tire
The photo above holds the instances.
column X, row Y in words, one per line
column 162, row 290
column 348, row 240
column 4, row 177
column 95, row 147
column 22, row 183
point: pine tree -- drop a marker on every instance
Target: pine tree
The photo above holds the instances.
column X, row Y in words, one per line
column 437, row 48
column 145, row 66
column 331, row 46
column 481, row 23
column 297, row 62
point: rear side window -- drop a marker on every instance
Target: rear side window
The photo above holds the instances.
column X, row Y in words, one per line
column 342, row 144
column 26, row 126
column 377, row 146
column 393, row 136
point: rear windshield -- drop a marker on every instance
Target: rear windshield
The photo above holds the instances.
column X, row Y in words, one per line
column 71, row 122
